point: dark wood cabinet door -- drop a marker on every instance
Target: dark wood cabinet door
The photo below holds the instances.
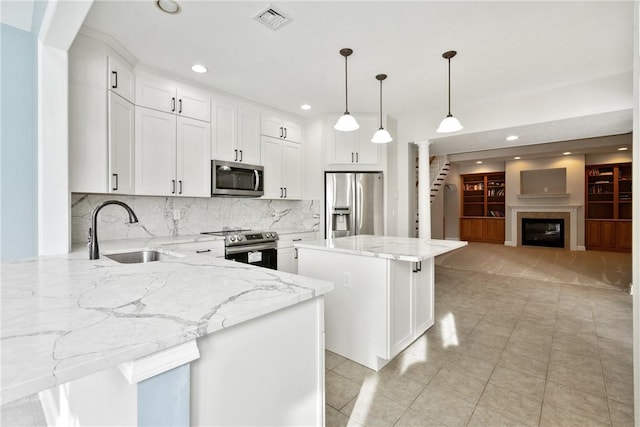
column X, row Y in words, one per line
column 623, row 234
column 494, row 230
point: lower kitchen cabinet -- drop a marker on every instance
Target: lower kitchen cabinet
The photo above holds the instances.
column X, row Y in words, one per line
column 287, row 253
column 282, row 161
column 608, row 235
column 481, row 229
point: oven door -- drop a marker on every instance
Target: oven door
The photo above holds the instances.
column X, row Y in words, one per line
column 236, row 179
column 264, row 255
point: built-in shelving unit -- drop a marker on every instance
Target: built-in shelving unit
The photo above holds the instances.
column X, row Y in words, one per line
column 483, row 207
column 608, row 207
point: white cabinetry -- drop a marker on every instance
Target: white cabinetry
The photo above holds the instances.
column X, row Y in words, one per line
column 172, row 155
column 236, row 133
column 287, row 253
column 121, row 80
column 378, row 307
column 356, row 147
column 168, row 96
column 101, row 119
column 282, row 161
column 280, row 128
column 121, row 144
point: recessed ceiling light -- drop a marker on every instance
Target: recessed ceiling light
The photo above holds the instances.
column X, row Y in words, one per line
column 479, row 162
column 566, row 153
column 305, row 107
column 517, row 158
column 622, row 149
column 197, row 68
column 512, row 138
column 168, row 6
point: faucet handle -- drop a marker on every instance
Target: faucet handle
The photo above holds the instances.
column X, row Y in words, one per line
column 89, row 237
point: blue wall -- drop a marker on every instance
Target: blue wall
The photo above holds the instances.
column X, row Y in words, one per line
column 19, row 145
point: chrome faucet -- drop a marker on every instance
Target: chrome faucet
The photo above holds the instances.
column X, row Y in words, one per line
column 94, row 252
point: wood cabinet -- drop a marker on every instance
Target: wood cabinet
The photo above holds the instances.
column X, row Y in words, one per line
column 172, row 155
column 355, row 147
column 483, row 207
column 236, row 133
column 277, row 127
column 171, row 97
column 282, row 161
column 608, row 196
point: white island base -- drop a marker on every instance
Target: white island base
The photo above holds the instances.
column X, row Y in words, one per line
column 265, row 371
column 384, row 294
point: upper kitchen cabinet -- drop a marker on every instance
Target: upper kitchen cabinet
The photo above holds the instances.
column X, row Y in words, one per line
column 236, row 133
column 172, row 155
column 355, row 147
column 282, row 161
column 121, row 80
column 101, row 119
column 277, row 127
column 171, row 97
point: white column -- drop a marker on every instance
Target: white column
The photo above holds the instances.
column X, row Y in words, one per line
column 636, row 211
column 60, row 25
column 424, row 200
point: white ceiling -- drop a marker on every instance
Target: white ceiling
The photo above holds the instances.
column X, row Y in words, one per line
column 504, row 49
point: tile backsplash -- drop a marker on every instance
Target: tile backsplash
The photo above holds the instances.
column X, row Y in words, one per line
column 173, row 216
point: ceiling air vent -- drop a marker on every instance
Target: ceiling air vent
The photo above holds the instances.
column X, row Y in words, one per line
column 273, row 18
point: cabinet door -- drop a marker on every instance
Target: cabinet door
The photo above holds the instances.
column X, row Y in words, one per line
column 368, row 153
column 343, row 147
column 193, row 154
column 471, row 229
column 249, row 137
column 272, row 155
column 592, row 234
column 623, row 234
column 224, row 142
column 121, row 145
column 292, row 170
column 155, row 157
column 292, row 131
column 158, row 94
column 423, row 296
column 194, row 104
column 286, row 260
column 400, row 307
column 494, row 230
column 271, row 126
column 120, row 78
column 608, row 234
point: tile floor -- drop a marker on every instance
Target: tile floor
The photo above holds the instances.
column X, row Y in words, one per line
column 505, row 351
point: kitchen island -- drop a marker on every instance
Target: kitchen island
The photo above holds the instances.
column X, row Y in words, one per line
column 108, row 343
column 384, row 295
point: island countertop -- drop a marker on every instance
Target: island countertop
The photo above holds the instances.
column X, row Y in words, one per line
column 390, row 247
column 65, row 317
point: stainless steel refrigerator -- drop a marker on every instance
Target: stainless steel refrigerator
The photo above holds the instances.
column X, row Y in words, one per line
column 354, row 203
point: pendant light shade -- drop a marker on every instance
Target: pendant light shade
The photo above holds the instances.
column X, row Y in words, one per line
column 450, row 123
column 381, row 136
column 346, row 122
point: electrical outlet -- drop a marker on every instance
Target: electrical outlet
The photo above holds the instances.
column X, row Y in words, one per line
column 346, row 280
column 177, row 214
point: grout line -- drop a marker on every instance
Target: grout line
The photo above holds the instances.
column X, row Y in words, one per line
column 546, row 376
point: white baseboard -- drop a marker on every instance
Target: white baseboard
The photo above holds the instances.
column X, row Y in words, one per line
column 509, row 243
column 581, row 248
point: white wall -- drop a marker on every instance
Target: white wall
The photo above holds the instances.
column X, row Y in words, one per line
column 636, row 209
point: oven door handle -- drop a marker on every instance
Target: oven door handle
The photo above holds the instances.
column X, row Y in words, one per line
column 257, row 175
column 249, row 248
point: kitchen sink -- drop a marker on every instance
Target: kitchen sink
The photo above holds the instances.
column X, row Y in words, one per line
column 139, row 257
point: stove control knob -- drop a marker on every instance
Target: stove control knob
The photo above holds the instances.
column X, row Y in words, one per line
column 240, row 238
column 232, row 238
column 267, row 234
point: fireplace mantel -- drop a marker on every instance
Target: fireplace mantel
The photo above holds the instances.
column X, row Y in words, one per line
column 573, row 222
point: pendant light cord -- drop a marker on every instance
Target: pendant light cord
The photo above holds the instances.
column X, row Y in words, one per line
column 449, row 60
column 380, row 104
column 346, row 91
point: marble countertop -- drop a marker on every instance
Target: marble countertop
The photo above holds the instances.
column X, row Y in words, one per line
column 65, row 317
column 390, row 247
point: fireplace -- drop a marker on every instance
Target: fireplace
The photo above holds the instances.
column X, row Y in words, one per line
column 543, row 232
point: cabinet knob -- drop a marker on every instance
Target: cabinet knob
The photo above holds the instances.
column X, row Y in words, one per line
column 114, row 84
column 285, row 192
column 115, row 186
column 173, row 186
column 285, row 133
column 173, row 104
column 180, row 106
column 180, row 187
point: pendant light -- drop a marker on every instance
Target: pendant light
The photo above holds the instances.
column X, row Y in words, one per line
column 346, row 122
column 381, row 136
column 450, row 123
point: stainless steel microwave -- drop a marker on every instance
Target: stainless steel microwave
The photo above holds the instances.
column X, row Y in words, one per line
column 236, row 179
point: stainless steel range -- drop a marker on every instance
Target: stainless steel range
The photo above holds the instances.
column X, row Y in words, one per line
column 249, row 246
